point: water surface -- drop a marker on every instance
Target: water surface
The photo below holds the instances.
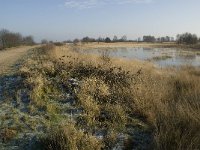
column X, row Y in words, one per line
column 160, row 56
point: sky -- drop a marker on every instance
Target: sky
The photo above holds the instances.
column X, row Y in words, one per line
column 60, row 20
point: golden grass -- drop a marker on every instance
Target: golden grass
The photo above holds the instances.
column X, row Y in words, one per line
column 169, row 101
column 71, row 55
column 172, row 105
column 67, row 137
column 113, row 94
column 123, row 45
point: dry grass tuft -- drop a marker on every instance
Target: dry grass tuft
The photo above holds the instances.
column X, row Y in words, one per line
column 68, row 137
column 7, row 134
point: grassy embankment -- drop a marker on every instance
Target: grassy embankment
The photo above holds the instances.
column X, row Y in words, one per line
column 91, row 102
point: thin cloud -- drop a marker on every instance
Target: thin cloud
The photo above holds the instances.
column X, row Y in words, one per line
column 134, row 1
column 81, row 4
column 84, row 4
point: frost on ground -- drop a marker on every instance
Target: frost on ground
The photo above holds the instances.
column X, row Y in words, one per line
column 42, row 95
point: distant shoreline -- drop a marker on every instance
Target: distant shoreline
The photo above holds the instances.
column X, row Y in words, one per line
column 138, row 44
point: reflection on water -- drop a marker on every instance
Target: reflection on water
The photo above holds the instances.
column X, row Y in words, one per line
column 166, row 56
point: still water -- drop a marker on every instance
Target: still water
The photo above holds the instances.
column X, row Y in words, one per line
column 160, row 56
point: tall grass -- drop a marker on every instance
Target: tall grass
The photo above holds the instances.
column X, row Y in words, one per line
column 178, row 120
column 172, row 106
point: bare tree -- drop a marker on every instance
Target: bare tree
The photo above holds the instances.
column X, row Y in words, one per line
column 87, row 39
column 100, row 39
column 124, row 38
column 149, row 38
column 28, row 40
column 115, row 39
column 76, row 41
column 11, row 39
column 44, row 41
column 3, row 33
column 108, row 40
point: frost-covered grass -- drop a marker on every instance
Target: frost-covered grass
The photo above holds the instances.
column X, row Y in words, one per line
column 62, row 99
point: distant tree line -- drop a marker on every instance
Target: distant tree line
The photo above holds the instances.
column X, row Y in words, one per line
column 187, row 38
column 106, row 40
column 11, row 39
column 124, row 38
column 100, row 39
column 88, row 39
column 150, row 38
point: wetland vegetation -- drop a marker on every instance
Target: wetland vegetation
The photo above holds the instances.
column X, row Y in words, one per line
column 99, row 75
column 64, row 99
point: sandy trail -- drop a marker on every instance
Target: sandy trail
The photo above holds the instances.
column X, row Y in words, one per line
column 9, row 57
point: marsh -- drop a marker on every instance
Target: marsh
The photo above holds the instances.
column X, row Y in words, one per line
column 161, row 57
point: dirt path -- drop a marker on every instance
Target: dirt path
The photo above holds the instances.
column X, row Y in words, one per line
column 9, row 58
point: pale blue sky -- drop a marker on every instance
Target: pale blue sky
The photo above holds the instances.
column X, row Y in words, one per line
column 68, row 19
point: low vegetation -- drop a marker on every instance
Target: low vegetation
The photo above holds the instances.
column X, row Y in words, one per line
column 68, row 100
column 169, row 105
column 68, row 137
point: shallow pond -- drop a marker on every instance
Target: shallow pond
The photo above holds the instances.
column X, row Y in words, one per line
column 160, row 56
